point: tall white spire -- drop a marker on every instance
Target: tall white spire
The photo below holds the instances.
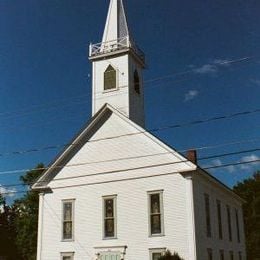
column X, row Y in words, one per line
column 117, row 68
column 116, row 23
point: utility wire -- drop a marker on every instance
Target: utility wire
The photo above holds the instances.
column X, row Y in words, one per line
column 58, row 218
column 120, row 170
column 58, row 146
column 50, row 121
column 140, row 177
column 82, row 102
column 152, row 130
column 162, row 128
column 196, row 69
column 49, row 108
column 41, row 107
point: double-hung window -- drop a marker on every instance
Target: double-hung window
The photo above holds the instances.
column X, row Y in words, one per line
column 207, row 212
column 231, row 254
column 220, row 232
column 67, row 256
column 229, row 223
column 156, row 253
column 155, row 202
column 238, row 228
column 109, row 216
column 210, row 254
column 67, row 219
column 136, row 82
column 221, row 255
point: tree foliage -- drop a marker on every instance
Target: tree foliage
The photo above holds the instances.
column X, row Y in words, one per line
column 249, row 190
column 26, row 217
column 7, row 231
column 169, row 256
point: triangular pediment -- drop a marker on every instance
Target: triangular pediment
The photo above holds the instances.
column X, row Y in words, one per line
column 112, row 148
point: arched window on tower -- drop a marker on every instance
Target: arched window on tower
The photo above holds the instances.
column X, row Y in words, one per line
column 136, row 82
column 110, row 78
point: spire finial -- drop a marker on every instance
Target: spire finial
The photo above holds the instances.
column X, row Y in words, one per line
column 116, row 23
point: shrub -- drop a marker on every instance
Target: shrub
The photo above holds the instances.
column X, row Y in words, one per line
column 169, row 256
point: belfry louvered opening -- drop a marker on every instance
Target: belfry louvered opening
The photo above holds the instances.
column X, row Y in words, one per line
column 110, row 78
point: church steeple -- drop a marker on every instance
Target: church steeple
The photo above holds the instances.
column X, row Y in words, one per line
column 116, row 23
column 117, row 67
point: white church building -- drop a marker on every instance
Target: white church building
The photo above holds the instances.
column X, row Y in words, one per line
column 117, row 192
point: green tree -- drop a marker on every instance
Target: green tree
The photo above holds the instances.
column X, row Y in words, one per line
column 7, row 231
column 26, row 217
column 169, row 256
column 249, row 190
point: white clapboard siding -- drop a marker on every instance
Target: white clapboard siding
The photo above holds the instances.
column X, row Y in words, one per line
column 132, row 218
column 216, row 192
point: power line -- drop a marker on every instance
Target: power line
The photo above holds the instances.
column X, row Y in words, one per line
column 54, row 213
column 82, row 102
column 49, row 108
column 222, row 145
column 120, row 170
column 191, row 123
column 196, row 122
column 195, row 69
column 43, row 107
column 139, row 177
column 152, row 130
column 50, row 121
column 33, row 109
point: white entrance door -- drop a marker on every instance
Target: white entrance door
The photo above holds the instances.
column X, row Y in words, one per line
column 110, row 256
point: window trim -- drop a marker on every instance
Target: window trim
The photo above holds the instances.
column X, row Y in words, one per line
column 149, row 193
column 104, row 198
column 70, row 254
column 72, row 201
column 161, row 250
column 117, row 85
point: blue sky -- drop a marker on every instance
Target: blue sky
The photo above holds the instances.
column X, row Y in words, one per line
column 45, row 76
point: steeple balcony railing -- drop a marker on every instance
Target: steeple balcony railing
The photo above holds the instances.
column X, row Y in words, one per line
column 123, row 43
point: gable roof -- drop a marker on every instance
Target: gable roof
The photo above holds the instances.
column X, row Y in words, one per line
column 84, row 136
column 92, row 126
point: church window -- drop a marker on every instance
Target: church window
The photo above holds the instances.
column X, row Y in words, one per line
column 156, row 253
column 109, row 208
column 220, row 232
column 210, row 254
column 110, row 78
column 238, row 229
column 231, row 254
column 136, row 82
column 156, row 213
column 221, row 255
column 67, row 256
column 229, row 223
column 207, row 211
column 68, row 215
